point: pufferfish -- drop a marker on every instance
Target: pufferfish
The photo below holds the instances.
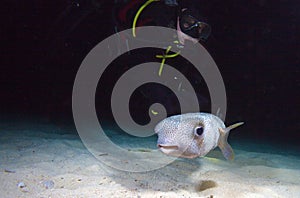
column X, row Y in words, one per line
column 193, row 135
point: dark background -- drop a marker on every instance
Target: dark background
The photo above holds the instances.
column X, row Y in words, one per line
column 255, row 43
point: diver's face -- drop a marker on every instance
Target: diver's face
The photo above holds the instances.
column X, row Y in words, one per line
column 182, row 37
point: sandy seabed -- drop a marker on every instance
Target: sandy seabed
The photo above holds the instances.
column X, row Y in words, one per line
column 47, row 161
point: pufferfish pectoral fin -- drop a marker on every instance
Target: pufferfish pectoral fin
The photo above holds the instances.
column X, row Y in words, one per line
column 223, row 144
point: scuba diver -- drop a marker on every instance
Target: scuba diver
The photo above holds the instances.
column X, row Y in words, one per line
column 187, row 17
column 69, row 33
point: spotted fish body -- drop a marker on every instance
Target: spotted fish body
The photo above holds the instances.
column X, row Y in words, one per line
column 193, row 135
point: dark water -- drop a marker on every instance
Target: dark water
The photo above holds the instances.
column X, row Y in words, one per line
column 253, row 43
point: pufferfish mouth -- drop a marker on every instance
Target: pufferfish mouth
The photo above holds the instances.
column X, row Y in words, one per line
column 165, row 146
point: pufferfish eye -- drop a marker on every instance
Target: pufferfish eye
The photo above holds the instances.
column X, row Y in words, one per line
column 199, row 130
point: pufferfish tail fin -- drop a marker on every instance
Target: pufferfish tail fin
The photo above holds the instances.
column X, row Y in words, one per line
column 223, row 144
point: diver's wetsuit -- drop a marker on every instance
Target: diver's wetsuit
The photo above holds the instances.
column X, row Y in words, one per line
column 157, row 13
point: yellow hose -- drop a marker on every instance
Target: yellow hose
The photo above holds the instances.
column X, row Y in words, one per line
column 164, row 57
column 138, row 14
column 134, row 35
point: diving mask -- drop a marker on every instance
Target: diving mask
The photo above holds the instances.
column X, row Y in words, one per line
column 193, row 27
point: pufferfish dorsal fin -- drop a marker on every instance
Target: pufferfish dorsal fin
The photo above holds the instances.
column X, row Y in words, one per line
column 223, row 144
